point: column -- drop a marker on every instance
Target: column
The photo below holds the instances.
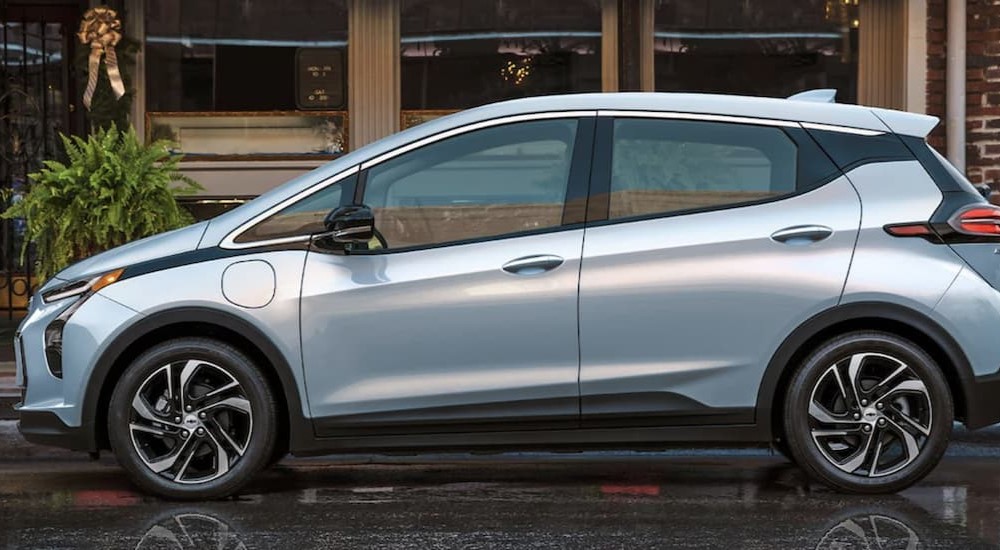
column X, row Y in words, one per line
column 372, row 69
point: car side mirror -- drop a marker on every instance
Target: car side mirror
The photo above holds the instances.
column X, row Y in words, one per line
column 350, row 224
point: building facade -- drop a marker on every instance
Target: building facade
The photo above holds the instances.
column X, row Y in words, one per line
column 255, row 92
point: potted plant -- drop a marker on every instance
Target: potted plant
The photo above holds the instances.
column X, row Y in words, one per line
column 113, row 189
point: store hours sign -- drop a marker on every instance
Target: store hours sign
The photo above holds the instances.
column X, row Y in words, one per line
column 319, row 78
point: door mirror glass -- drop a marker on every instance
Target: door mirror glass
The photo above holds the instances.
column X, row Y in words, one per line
column 350, row 224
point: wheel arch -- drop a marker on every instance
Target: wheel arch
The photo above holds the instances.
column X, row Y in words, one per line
column 900, row 320
column 194, row 321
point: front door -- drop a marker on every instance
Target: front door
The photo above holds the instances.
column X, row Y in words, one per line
column 462, row 314
column 720, row 239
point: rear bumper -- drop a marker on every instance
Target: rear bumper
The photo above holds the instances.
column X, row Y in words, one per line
column 46, row 428
column 983, row 402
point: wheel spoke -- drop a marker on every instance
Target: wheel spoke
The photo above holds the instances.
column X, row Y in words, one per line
column 906, row 386
column 168, row 461
column 227, row 387
column 148, row 429
column 237, row 403
column 853, row 369
column 189, row 369
column 926, row 430
column 140, row 406
column 170, row 384
column 821, row 414
column 840, row 382
column 221, row 456
column 909, row 442
column 902, row 368
column 878, row 453
column 856, row 460
column 227, row 438
column 187, row 462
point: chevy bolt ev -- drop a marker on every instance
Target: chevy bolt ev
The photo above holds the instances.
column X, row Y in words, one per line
column 588, row 271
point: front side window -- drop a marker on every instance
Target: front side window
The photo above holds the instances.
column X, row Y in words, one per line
column 497, row 181
column 662, row 166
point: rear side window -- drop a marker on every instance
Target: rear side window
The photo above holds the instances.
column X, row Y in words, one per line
column 661, row 166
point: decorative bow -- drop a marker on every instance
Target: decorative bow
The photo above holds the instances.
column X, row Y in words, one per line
column 101, row 29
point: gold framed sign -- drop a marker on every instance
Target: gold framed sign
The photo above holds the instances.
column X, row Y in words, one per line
column 268, row 135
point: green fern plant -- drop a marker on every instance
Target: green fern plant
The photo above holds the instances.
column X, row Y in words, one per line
column 113, row 189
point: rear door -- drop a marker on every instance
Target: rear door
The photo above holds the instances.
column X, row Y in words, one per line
column 714, row 239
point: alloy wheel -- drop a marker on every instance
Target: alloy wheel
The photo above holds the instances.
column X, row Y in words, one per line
column 870, row 414
column 190, row 421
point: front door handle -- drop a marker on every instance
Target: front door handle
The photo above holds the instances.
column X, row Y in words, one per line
column 533, row 265
column 802, row 234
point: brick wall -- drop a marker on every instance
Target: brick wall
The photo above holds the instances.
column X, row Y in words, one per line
column 982, row 85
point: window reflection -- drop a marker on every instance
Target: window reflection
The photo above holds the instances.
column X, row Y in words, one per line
column 757, row 47
column 462, row 53
column 232, row 55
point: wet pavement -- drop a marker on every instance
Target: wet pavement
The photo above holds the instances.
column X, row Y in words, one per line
column 739, row 500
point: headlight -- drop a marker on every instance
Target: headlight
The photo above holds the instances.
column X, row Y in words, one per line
column 54, row 331
column 77, row 288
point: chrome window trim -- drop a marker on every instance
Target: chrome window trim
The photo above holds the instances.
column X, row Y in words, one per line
column 740, row 120
column 841, row 129
column 470, row 128
column 700, row 116
column 229, row 241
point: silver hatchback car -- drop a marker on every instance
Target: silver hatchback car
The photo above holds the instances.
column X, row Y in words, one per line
column 627, row 271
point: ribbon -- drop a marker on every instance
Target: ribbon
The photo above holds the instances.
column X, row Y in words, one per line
column 100, row 28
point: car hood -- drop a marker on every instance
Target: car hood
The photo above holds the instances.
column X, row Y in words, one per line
column 173, row 242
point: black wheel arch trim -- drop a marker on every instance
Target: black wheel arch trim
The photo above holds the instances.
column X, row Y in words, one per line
column 300, row 432
column 972, row 405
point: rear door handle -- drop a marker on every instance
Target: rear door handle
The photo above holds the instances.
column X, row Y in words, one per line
column 533, row 265
column 802, row 234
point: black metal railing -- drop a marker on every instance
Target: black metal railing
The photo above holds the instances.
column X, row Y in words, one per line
column 36, row 91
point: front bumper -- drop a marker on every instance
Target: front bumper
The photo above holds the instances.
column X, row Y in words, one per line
column 52, row 404
column 46, row 428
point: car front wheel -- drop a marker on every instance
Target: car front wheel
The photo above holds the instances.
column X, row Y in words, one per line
column 868, row 412
column 192, row 418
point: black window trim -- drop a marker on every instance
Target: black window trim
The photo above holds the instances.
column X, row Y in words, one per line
column 600, row 187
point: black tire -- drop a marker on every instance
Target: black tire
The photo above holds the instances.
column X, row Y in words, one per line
column 256, row 428
column 866, row 430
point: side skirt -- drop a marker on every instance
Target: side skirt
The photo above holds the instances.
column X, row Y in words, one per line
column 571, row 439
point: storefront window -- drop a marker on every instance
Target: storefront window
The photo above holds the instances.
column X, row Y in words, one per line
column 247, row 78
column 757, row 47
column 462, row 53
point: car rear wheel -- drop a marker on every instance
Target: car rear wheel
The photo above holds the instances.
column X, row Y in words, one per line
column 868, row 412
column 192, row 418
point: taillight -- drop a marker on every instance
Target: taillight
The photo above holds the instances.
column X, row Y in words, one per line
column 978, row 220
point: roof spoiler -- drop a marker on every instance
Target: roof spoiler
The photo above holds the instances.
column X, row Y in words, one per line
column 825, row 95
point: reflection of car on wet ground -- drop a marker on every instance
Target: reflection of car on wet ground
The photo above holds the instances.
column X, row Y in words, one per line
column 571, row 272
column 705, row 502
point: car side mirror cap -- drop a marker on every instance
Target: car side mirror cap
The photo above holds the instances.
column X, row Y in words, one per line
column 350, row 224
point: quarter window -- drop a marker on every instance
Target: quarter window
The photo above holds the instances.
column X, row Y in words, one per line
column 497, row 181
column 662, row 166
column 304, row 217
